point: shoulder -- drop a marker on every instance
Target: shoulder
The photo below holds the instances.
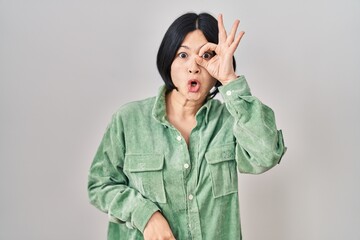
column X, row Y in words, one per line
column 135, row 108
column 217, row 109
column 215, row 102
column 216, row 105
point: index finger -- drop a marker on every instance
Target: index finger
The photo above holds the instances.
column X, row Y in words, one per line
column 207, row 47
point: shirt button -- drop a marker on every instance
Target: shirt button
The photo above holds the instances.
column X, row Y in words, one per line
column 228, row 92
column 191, row 197
column 186, row 165
column 178, row 138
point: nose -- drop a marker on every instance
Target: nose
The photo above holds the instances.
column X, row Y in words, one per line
column 194, row 70
column 193, row 67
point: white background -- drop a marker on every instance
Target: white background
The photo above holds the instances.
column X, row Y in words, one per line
column 66, row 66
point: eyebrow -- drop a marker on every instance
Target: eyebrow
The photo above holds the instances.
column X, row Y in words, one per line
column 187, row 47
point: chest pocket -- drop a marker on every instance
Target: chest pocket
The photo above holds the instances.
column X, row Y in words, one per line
column 222, row 165
column 145, row 172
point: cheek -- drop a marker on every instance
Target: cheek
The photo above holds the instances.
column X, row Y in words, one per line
column 212, row 81
column 175, row 69
column 176, row 65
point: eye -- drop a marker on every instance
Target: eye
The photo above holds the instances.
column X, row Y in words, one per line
column 207, row 55
column 182, row 55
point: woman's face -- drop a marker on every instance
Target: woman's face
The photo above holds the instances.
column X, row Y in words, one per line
column 193, row 82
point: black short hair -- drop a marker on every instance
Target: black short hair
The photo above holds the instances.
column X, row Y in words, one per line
column 176, row 34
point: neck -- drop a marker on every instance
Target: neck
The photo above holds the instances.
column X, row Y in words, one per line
column 180, row 107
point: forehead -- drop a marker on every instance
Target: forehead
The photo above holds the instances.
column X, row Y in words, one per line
column 194, row 39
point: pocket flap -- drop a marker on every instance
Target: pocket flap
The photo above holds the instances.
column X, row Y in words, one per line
column 144, row 162
column 223, row 153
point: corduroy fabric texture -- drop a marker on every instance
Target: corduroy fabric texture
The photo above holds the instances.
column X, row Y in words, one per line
column 143, row 165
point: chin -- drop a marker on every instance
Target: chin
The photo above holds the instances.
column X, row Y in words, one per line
column 196, row 96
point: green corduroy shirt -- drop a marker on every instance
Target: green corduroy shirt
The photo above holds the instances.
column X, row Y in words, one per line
column 144, row 165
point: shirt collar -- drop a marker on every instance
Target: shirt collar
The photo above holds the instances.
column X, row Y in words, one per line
column 159, row 108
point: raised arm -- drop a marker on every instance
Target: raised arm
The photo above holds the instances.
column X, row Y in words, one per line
column 260, row 145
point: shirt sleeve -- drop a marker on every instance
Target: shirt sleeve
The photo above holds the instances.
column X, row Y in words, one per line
column 260, row 146
column 108, row 185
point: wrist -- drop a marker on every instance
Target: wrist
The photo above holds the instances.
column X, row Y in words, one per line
column 229, row 79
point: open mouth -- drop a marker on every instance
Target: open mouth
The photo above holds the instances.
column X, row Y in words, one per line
column 193, row 85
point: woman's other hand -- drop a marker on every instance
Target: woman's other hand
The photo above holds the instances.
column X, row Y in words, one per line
column 221, row 65
column 158, row 228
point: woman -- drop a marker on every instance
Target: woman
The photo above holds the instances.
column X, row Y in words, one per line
column 167, row 166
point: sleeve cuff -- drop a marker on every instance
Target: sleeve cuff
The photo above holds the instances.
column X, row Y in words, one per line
column 235, row 88
column 143, row 213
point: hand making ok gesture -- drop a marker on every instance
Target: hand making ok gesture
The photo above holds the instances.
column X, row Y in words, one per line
column 221, row 65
